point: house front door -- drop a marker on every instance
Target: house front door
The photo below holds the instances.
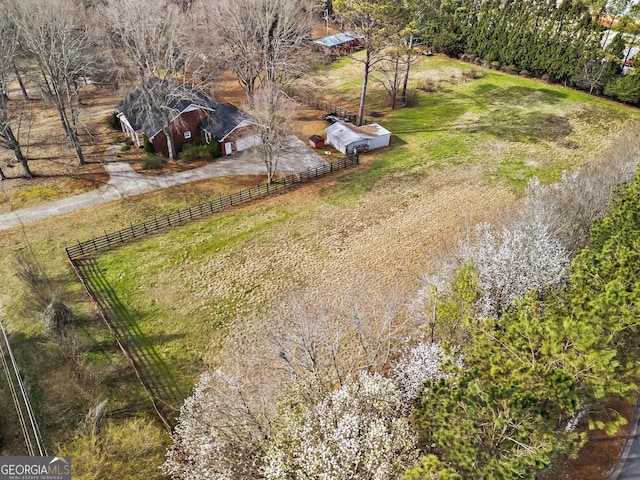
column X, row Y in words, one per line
column 227, row 148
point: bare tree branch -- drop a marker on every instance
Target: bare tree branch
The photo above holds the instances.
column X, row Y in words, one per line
column 55, row 34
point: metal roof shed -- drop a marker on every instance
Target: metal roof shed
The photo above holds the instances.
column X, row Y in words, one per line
column 339, row 43
column 347, row 138
column 335, row 40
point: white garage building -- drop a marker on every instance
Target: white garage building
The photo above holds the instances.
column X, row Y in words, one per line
column 348, row 138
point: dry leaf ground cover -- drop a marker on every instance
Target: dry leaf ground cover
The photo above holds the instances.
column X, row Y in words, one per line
column 460, row 156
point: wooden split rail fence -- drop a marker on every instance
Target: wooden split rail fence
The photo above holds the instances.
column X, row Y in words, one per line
column 180, row 217
column 340, row 112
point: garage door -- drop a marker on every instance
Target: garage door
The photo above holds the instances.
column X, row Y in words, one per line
column 247, row 142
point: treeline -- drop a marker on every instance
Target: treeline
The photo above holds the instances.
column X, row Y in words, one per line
column 53, row 48
column 558, row 41
column 546, row 358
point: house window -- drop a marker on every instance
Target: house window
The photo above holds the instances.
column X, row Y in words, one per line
column 187, row 134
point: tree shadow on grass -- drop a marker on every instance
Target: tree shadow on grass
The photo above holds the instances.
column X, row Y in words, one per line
column 517, row 95
column 168, row 393
column 518, row 126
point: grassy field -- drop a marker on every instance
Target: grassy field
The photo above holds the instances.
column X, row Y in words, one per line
column 459, row 156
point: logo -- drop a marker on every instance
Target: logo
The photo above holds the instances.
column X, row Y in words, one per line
column 35, row 468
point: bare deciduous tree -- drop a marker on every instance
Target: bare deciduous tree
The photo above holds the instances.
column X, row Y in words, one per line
column 367, row 19
column 337, row 338
column 154, row 50
column 591, row 74
column 8, row 52
column 389, row 72
column 400, row 30
column 260, row 39
column 273, row 111
column 570, row 206
column 55, row 34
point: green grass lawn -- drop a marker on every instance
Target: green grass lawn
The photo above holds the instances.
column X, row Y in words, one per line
column 185, row 288
column 513, row 127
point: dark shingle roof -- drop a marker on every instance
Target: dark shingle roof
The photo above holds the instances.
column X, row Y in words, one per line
column 175, row 99
column 223, row 119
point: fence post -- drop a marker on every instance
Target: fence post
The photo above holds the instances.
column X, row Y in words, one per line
column 148, row 227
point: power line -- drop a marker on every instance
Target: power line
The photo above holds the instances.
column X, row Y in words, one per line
column 16, row 402
column 37, row 436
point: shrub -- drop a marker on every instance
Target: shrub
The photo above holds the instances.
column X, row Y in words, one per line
column 57, row 317
column 448, row 43
column 472, row 74
column 511, row 69
column 429, row 86
column 113, row 121
column 411, row 99
column 215, row 149
column 192, row 151
column 148, row 146
column 525, row 73
column 495, row 65
column 124, row 147
column 152, row 162
column 545, row 78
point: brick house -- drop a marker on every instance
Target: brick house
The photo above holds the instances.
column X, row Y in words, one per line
column 193, row 118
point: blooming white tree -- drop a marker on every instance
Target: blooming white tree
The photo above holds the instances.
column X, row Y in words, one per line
column 222, row 433
column 355, row 432
column 514, row 260
column 421, row 364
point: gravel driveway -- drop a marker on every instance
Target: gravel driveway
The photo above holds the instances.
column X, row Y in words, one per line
column 125, row 182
